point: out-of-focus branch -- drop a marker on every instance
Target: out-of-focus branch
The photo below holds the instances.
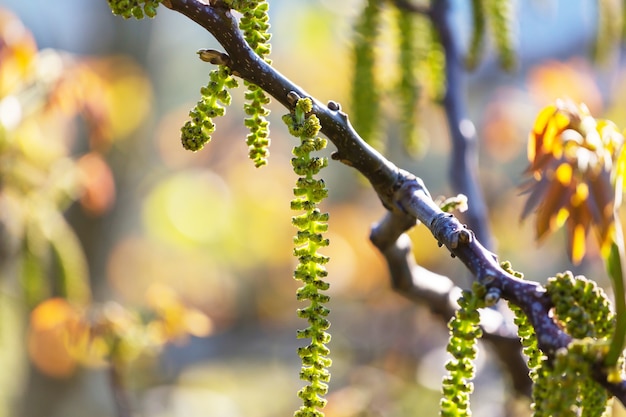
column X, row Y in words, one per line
column 464, row 163
column 404, row 195
column 120, row 394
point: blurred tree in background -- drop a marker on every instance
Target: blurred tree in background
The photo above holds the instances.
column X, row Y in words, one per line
column 168, row 272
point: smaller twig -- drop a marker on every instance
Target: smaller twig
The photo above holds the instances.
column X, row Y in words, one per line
column 120, row 394
column 413, row 199
column 403, row 194
column 439, row 294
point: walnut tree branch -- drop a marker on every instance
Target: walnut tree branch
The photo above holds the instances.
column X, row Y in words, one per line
column 351, row 149
column 439, row 294
column 120, row 393
column 404, row 195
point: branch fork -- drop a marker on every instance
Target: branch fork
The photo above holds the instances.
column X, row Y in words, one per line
column 407, row 201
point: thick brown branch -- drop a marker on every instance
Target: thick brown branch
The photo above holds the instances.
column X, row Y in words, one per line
column 530, row 296
column 120, row 395
column 439, row 293
column 403, row 194
column 351, row 149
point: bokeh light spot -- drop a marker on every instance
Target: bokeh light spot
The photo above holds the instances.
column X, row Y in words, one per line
column 191, row 207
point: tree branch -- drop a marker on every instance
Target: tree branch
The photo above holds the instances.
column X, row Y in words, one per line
column 464, row 163
column 404, row 195
column 439, row 293
column 120, row 395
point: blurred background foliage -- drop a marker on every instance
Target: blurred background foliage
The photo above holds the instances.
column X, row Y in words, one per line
column 177, row 266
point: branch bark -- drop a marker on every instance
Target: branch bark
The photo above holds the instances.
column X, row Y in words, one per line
column 402, row 194
column 439, row 293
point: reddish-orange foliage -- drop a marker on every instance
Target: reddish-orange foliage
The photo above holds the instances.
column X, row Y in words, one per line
column 571, row 165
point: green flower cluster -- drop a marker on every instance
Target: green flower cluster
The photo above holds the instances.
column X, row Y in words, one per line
column 500, row 14
column 464, row 333
column 476, row 47
column 581, row 306
column 197, row 131
column 309, row 192
column 254, row 24
column 525, row 331
column 563, row 384
column 409, row 87
column 433, row 58
column 365, row 98
column 134, row 8
column 258, row 140
column 528, row 338
column 565, row 387
column 420, row 70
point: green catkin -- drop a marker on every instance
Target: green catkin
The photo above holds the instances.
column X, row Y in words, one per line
column 542, row 389
column 563, row 384
column 312, row 224
column 464, row 333
column 572, row 389
column 258, row 139
column 197, row 131
column 477, row 41
column 536, row 360
column 365, row 98
column 528, row 339
column 581, row 306
column 428, row 58
column 408, row 86
column 134, row 8
column 595, row 402
column 500, row 15
column 609, row 28
column 434, row 67
column 254, row 24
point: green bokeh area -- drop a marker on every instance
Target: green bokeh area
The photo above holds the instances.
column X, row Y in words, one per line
column 193, row 208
